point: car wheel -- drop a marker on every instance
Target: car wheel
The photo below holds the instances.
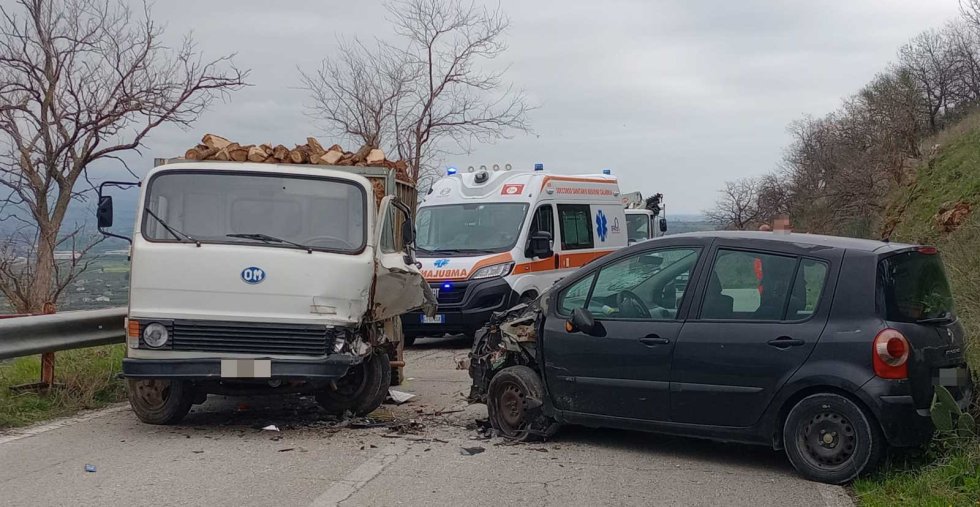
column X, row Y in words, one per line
column 507, row 404
column 362, row 390
column 828, row 438
column 159, row 401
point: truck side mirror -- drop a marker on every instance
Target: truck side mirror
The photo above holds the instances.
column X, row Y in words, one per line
column 104, row 212
column 539, row 245
column 581, row 320
column 663, row 225
column 408, row 231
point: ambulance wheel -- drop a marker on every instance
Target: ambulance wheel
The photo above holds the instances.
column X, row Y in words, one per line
column 362, row 390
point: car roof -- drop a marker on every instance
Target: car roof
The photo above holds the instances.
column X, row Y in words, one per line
column 856, row 244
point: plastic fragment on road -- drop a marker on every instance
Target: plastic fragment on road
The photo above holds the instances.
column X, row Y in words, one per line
column 271, row 427
column 470, row 451
column 399, row 397
column 90, row 468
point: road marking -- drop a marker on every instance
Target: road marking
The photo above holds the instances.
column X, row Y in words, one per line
column 360, row 476
column 834, row 496
column 31, row 431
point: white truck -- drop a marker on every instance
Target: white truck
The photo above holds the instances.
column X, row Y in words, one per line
column 266, row 278
column 641, row 216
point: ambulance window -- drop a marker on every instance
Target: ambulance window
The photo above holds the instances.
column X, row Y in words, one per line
column 544, row 220
column 576, row 226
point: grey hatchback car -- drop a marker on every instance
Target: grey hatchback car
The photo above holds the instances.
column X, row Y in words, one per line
column 826, row 347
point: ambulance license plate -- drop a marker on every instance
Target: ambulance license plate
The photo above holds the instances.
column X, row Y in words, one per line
column 437, row 319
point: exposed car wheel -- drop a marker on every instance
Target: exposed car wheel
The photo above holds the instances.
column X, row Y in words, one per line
column 527, row 297
column 828, row 438
column 514, row 396
column 158, row 401
column 362, row 390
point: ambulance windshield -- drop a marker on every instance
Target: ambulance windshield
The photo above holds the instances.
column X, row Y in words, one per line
column 469, row 229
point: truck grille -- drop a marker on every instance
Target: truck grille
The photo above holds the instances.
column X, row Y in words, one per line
column 251, row 338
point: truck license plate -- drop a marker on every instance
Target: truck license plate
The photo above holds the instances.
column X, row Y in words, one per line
column 438, row 319
column 246, row 368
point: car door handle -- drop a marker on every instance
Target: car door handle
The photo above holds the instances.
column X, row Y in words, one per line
column 652, row 339
column 785, row 342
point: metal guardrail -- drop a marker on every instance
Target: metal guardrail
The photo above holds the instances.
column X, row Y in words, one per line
column 38, row 334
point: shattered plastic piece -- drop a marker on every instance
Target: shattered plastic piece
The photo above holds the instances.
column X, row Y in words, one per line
column 470, row 451
column 271, row 427
column 399, row 397
column 90, row 468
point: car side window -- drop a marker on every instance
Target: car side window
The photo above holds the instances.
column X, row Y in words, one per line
column 544, row 220
column 575, row 221
column 807, row 289
column 748, row 286
column 646, row 286
column 575, row 295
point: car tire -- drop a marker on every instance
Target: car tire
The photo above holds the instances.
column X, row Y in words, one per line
column 829, row 438
column 362, row 390
column 159, row 401
column 507, row 405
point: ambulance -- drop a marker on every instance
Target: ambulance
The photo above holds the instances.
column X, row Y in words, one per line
column 488, row 239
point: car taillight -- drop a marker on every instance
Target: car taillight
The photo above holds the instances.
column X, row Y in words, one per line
column 890, row 355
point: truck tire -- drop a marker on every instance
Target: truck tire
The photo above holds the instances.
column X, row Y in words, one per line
column 507, row 405
column 828, row 438
column 362, row 390
column 158, row 401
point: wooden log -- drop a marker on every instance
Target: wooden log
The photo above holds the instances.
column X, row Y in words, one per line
column 331, row 157
column 315, row 148
column 296, row 156
column 256, row 154
column 375, row 156
column 239, row 154
column 336, row 147
column 280, row 152
column 222, row 155
column 267, row 148
column 213, row 141
column 362, row 153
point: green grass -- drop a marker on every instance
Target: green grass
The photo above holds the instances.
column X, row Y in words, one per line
column 87, row 377
column 949, row 474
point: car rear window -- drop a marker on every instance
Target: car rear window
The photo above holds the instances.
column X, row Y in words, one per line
column 913, row 286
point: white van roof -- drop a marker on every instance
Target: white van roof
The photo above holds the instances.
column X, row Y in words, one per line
column 522, row 186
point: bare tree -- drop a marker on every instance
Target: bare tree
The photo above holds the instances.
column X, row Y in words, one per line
column 81, row 81
column 738, row 206
column 930, row 59
column 430, row 94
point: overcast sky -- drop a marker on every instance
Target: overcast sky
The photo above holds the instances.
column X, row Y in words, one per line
column 673, row 96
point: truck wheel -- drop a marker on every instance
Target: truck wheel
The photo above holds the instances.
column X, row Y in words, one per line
column 158, row 401
column 362, row 390
column 507, row 404
column 828, row 438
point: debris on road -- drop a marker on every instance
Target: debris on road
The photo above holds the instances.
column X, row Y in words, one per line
column 399, row 397
column 90, row 468
column 271, row 427
column 470, row 451
column 287, row 449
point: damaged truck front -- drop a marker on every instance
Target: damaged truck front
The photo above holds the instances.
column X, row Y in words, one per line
column 503, row 364
column 266, row 278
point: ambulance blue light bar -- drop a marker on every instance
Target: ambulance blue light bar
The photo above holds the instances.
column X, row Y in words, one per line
column 450, row 171
column 606, row 171
column 539, row 167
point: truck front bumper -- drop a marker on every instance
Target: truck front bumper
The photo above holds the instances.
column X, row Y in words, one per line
column 331, row 367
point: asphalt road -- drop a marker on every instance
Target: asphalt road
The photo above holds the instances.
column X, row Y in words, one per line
column 221, row 456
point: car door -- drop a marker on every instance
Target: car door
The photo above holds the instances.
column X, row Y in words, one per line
column 760, row 315
column 623, row 368
column 399, row 286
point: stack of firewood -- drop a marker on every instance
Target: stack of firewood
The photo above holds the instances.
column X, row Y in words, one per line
column 214, row 147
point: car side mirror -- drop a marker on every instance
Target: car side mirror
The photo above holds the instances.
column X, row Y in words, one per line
column 408, row 232
column 104, row 212
column 581, row 320
column 663, row 225
column 539, row 245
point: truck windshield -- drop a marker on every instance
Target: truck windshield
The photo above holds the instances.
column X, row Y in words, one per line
column 469, row 228
column 240, row 208
column 913, row 287
column 637, row 227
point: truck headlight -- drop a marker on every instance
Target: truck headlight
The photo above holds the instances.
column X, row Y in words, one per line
column 155, row 335
column 493, row 271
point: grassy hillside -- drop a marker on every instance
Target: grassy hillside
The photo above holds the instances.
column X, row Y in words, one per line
column 950, row 176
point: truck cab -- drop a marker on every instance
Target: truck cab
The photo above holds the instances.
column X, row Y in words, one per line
column 258, row 278
column 491, row 238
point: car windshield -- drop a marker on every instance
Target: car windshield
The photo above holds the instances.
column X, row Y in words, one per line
column 637, row 227
column 469, row 228
column 914, row 287
column 266, row 210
